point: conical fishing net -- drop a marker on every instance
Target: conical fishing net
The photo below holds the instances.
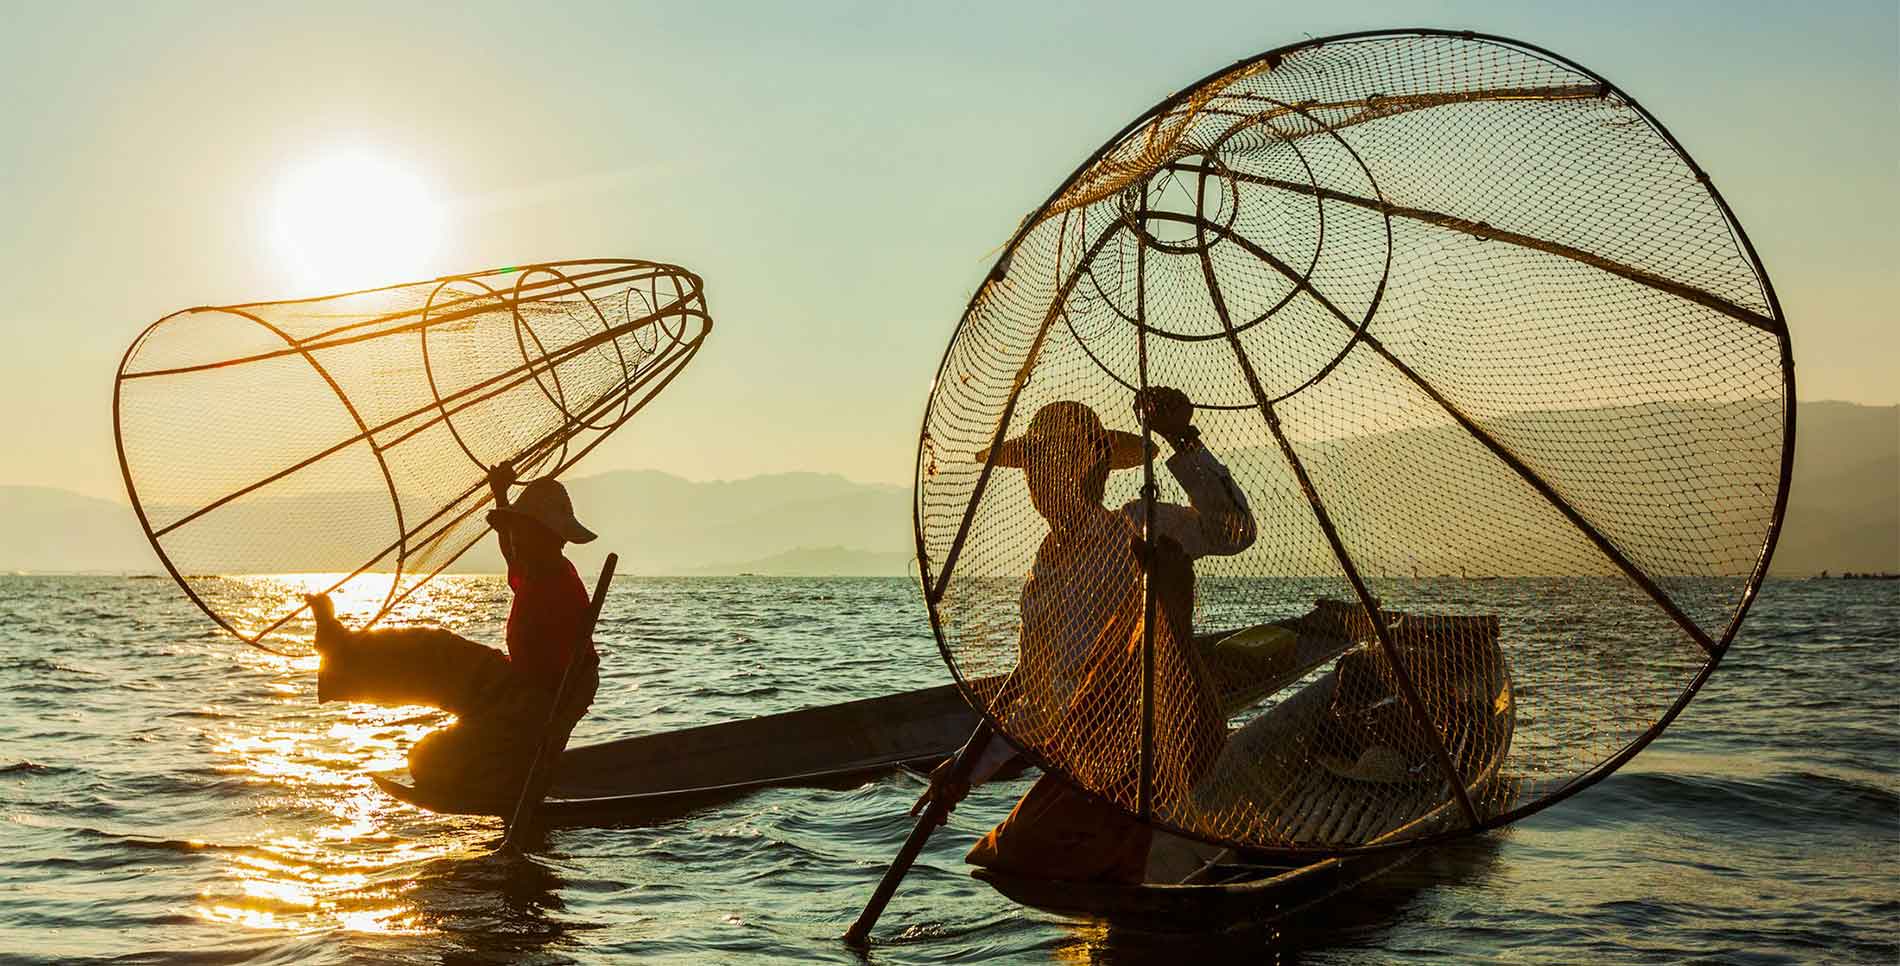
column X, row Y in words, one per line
column 1502, row 384
column 282, row 448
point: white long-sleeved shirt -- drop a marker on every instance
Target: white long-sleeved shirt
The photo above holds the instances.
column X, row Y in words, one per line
column 1063, row 610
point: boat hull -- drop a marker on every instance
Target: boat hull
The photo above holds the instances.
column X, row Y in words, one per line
column 1275, row 894
column 650, row 777
column 1317, row 805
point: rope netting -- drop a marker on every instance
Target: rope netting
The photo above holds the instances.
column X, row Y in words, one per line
column 282, row 448
column 1507, row 404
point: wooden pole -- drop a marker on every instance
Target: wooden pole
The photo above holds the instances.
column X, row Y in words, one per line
column 1144, row 793
column 528, row 800
column 935, row 814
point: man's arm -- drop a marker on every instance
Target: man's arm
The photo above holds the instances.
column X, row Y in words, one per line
column 1217, row 520
column 499, row 479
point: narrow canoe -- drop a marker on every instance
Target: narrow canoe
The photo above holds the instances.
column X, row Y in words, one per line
column 1265, row 893
column 1259, row 890
column 653, row 776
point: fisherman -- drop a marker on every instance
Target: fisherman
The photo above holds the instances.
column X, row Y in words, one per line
column 547, row 623
column 506, row 706
column 1075, row 691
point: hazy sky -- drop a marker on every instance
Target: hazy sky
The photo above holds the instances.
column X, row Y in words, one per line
column 840, row 174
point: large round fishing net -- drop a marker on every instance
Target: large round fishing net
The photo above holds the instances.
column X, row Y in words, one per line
column 1504, row 389
column 282, row 448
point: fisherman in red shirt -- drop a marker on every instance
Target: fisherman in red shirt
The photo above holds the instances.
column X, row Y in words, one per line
column 505, row 706
column 548, row 621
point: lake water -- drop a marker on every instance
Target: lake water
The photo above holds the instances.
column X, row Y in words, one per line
column 169, row 794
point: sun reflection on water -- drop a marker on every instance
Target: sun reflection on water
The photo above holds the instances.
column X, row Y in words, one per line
column 343, row 867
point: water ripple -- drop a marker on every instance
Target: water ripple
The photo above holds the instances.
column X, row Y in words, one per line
column 170, row 796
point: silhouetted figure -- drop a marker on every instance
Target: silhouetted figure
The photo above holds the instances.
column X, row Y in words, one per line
column 1076, row 691
column 502, row 702
column 547, row 624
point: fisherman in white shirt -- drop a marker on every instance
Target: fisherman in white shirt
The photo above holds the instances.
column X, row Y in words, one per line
column 1083, row 605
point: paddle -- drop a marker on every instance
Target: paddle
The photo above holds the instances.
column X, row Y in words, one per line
column 528, row 800
column 935, row 814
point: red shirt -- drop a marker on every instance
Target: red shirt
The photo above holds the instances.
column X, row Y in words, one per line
column 547, row 621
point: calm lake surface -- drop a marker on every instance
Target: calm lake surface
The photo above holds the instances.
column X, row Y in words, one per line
column 169, row 794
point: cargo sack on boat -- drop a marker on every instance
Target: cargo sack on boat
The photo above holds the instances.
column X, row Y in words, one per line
column 282, row 448
column 1490, row 360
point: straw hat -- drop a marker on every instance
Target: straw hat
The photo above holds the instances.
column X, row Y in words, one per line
column 1067, row 425
column 545, row 502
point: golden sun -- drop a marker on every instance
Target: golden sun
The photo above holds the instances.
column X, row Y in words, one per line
column 354, row 218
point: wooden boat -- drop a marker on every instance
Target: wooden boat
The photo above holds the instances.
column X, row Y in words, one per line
column 649, row 777
column 1254, row 894
column 653, row 776
column 1316, row 804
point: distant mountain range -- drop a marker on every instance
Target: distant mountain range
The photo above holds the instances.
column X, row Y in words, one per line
column 1844, row 515
column 788, row 524
column 784, row 524
column 1844, row 510
column 44, row 529
column 819, row 561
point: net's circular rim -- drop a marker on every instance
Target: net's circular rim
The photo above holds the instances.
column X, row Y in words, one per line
column 1577, row 783
column 688, row 303
column 1306, row 274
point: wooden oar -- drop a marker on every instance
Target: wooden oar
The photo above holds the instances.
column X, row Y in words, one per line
column 529, row 800
column 935, row 814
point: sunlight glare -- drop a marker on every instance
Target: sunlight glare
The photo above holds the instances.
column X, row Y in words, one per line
column 354, row 218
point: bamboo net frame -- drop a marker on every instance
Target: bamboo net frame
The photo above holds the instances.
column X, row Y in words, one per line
column 1483, row 347
column 351, row 434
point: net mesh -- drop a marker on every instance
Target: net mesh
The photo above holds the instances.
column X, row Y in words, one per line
column 1506, row 395
column 282, row 448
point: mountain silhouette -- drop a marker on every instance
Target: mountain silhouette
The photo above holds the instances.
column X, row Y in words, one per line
column 1843, row 514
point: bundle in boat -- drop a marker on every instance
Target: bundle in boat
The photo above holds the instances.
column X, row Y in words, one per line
column 277, row 449
column 1489, row 360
